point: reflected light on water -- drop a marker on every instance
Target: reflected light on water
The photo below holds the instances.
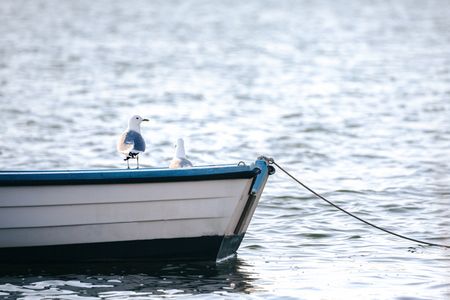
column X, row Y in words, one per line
column 352, row 97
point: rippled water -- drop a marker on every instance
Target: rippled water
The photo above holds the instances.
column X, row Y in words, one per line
column 351, row 96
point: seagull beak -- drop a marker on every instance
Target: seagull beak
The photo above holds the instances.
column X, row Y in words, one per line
column 145, row 120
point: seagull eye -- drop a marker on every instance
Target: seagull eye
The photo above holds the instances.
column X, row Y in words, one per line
column 137, row 118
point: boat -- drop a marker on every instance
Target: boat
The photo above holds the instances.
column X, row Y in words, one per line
column 197, row 213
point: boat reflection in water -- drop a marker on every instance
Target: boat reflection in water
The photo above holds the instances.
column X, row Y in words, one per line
column 128, row 279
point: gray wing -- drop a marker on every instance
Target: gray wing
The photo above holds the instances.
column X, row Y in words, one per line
column 131, row 141
column 135, row 138
column 185, row 163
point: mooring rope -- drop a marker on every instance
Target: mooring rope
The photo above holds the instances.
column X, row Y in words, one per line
column 271, row 161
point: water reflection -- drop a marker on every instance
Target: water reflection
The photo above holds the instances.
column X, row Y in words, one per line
column 114, row 280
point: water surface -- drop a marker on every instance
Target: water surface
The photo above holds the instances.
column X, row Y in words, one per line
column 353, row 97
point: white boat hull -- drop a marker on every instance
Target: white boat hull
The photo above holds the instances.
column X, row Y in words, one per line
column 100, row 217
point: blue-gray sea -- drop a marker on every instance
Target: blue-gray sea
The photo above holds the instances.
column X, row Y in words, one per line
column 352, row 97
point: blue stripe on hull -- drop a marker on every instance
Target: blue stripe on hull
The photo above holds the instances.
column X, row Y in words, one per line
column 199, row 248
column 24, row 178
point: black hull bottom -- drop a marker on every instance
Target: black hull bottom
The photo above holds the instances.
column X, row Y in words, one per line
column 205, row 248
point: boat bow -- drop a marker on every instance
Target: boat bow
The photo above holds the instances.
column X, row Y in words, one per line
column 197, row 213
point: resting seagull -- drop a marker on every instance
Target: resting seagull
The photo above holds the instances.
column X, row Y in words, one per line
column 180, row 160
column 131, row 143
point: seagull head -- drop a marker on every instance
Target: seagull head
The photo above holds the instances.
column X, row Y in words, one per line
column 179, row 146
column 135, row 123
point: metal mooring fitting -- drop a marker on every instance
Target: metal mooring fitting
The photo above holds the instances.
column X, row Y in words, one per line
column 269, row 161
column 271, row 169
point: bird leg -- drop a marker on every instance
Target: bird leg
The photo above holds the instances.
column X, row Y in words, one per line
column 128, row 161
column 134, row 156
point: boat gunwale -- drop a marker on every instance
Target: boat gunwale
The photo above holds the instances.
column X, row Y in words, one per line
column 118, row 176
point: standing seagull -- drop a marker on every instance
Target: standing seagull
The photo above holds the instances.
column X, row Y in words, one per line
column 180, row 160
column 131, row 142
